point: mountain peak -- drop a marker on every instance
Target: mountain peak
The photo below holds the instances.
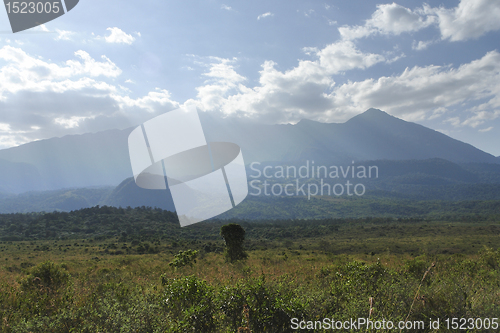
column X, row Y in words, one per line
column 372, row 112
column 304, row 121
column 373, row 116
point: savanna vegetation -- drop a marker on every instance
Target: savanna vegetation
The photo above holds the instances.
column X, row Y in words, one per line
column 106, row 269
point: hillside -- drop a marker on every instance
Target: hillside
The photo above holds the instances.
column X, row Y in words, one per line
column 101, row 159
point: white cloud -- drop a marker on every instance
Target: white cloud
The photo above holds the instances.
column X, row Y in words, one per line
column 222, row 79
column 421, row 45
column 309, row 13
column 63, row 34
column 486, row 129
column 470, row 19
column 226, row 7
column 309, row 91
column 389, row 19
column 71, row 122
column 282, row 97
column 42, row 27
column 23, row 72
column 480, row 117
column 119, row 36
column 454, row 121
column 42, row 99
column 150, row 102
column 268, row 14
column 344, row 55
column 418, row 91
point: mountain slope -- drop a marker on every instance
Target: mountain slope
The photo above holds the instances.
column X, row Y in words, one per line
column 129, row 194
column 93, row 159
column 58, row 200
column 372, row 135
column 432, row 179
column 382, row 136
column 98, row 159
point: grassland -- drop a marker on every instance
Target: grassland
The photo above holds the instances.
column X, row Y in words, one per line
column 308, row 270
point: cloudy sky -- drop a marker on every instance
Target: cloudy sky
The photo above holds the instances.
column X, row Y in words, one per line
column 114, row 64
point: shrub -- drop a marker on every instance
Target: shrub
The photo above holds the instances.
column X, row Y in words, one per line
column 189, row 302
column 184, row 258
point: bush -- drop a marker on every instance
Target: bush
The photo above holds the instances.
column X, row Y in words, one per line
column 189, row 303
column 184, row 258
column 44, row 289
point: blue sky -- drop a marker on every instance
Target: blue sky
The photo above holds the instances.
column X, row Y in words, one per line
column 114, row 64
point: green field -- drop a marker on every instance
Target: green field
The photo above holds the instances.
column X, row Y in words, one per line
column 118, row 277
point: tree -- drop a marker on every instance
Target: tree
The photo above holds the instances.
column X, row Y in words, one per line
column 233, row 235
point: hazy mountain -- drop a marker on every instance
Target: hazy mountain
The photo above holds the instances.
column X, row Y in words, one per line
column 129, row 194
column 58, row 200
column 372, row 135
column 93, row 159
column 98, row 159
column 432, row 179
column 19, row 177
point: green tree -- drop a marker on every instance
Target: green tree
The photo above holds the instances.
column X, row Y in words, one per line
column 233, row 235
column 184, row 258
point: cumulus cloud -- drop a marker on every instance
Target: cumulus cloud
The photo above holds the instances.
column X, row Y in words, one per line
column 470, row 19
column 24, row 72
column 42, row 99
column 418, row 91
column 344, row 55
column 309, row 91
column 119, row 36
column 282, row 97
column 389, row 19
column 268, row 14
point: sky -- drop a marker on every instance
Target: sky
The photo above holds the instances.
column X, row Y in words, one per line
column 115, row 64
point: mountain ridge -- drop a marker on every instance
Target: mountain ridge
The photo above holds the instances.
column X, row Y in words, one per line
column 101, row 159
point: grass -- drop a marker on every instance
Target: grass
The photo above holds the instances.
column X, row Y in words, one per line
column 360, row 269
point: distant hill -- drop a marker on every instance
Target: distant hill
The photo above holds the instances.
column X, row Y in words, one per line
column 416, row 180
column 19, row 177
column 129, row 194
column 93, row 159
column 57, row 200
column 101, row 159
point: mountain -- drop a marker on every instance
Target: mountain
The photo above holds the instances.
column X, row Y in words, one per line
column 19, row 177
column 93, row 159
column 57, row 200
column 101, row 159
column 416, row 180
column 372, row 135
column 129, row 194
